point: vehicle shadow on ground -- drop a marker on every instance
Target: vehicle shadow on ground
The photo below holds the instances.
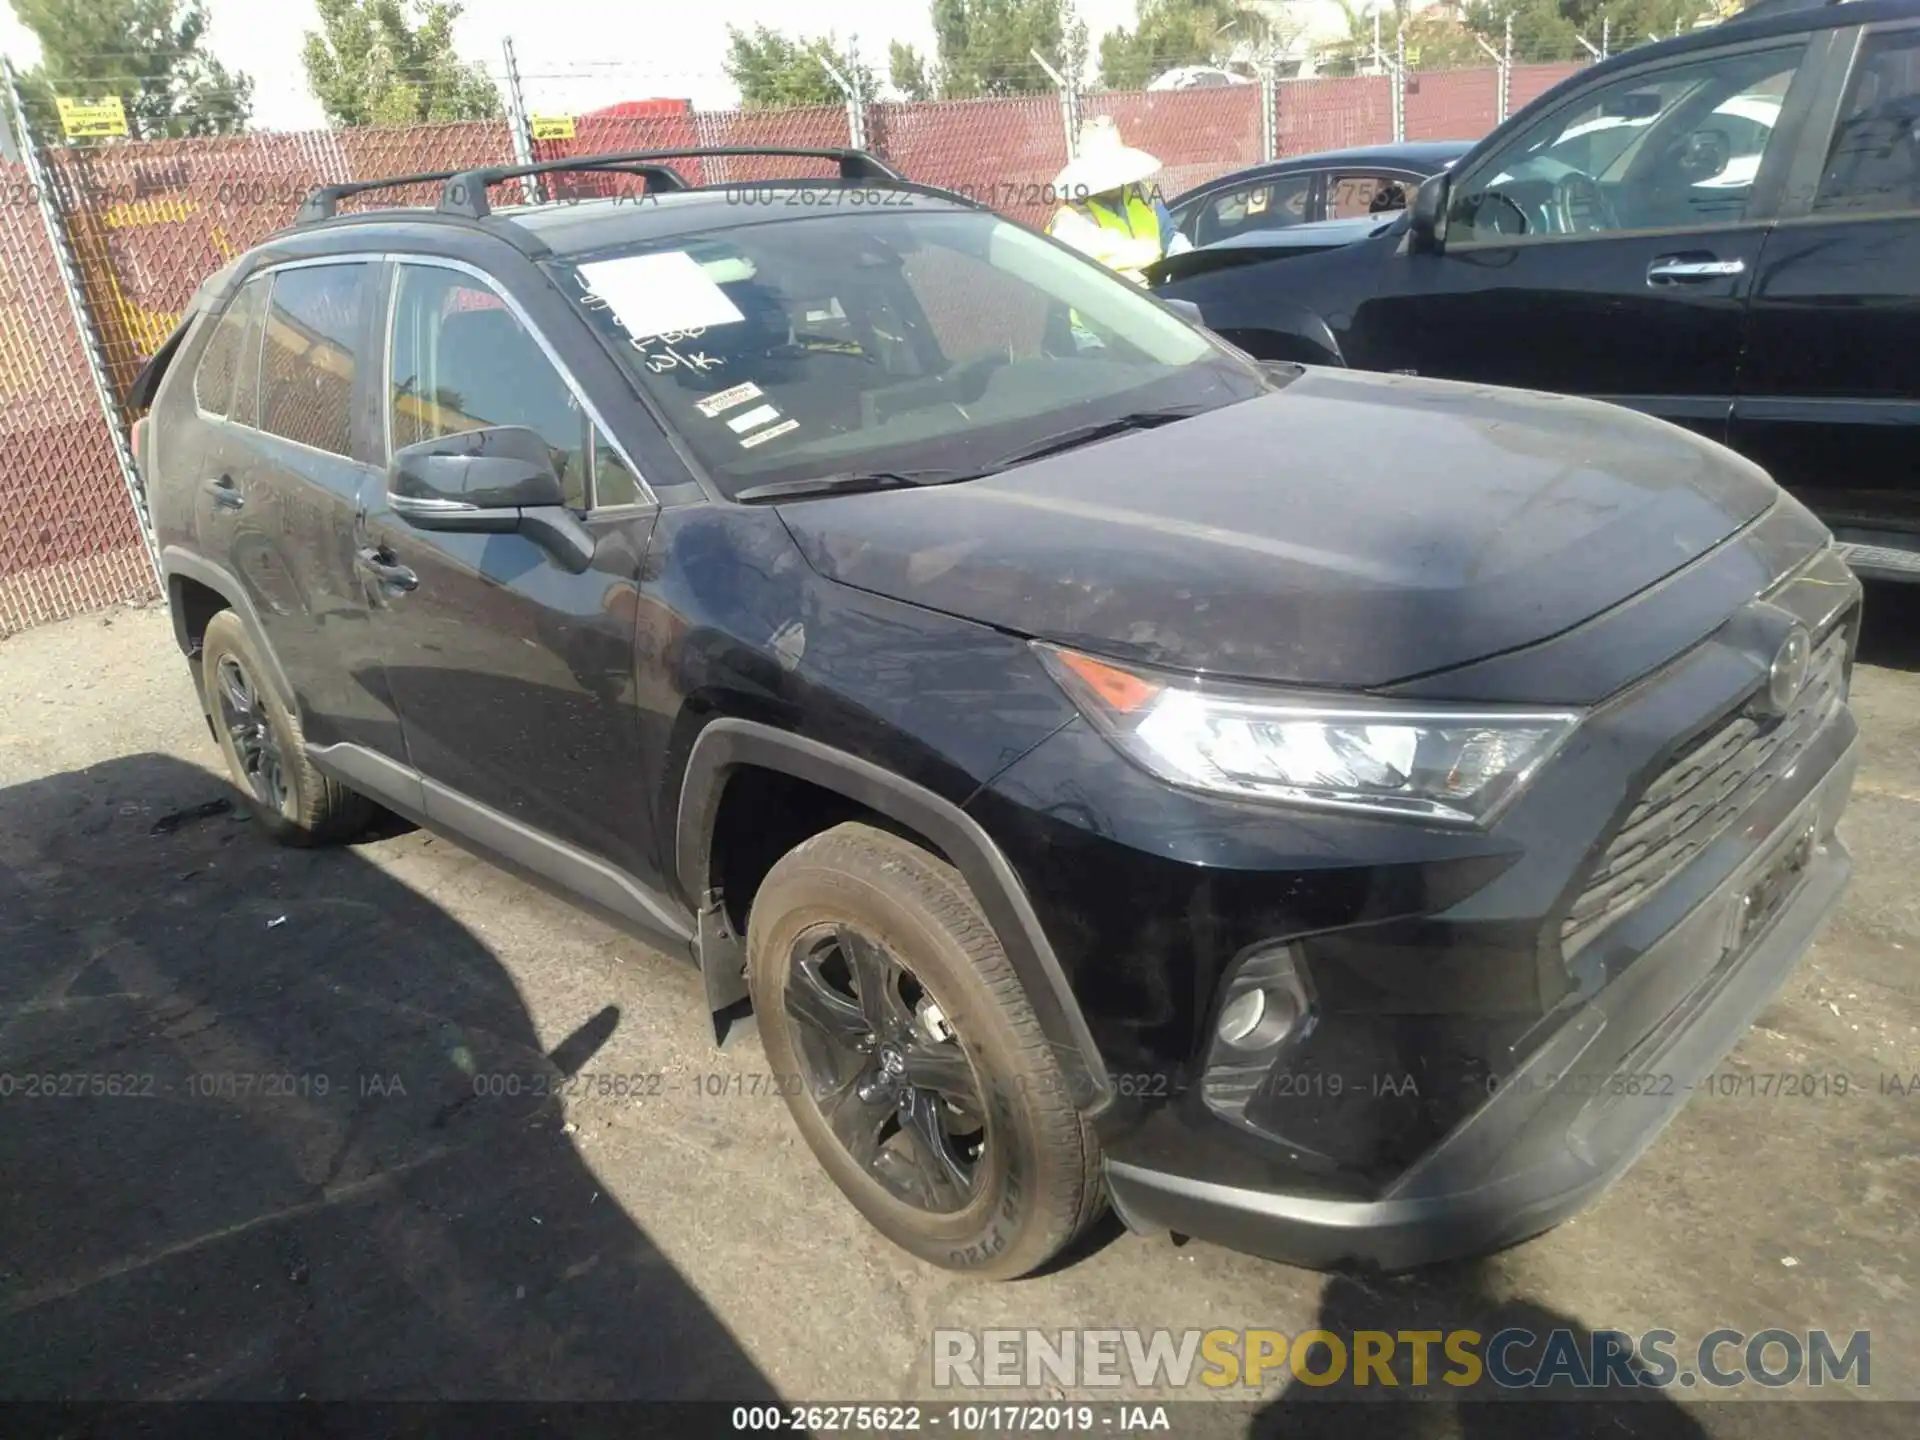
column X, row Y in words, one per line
column 262, row 1138
column 1441, row 1301
column 1890, row 626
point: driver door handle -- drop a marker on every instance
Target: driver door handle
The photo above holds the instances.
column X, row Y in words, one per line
column 1685, row 269
column 226, row 495
column 381, row 566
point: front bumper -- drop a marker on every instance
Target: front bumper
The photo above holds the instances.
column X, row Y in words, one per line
column 1570, row 1119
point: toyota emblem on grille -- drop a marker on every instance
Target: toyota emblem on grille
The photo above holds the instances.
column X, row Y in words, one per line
column 1787, row 674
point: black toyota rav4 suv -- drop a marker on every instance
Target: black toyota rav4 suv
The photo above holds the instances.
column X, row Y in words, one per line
column 1101, row 782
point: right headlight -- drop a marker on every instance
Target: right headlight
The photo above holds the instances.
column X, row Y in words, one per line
column 1435, row 762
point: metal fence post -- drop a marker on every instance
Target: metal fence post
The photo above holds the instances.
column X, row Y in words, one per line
column 1400, row 85
column 519, row 125
column 41, row 185
column 848, row 87
column 1069, row 101
column 1270, row 106
column 1500, row 76
column 1506, row 72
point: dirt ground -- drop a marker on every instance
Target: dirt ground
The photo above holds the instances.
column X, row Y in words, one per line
column 377, row 1225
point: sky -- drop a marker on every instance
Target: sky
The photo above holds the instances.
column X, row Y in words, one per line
column 573, row 55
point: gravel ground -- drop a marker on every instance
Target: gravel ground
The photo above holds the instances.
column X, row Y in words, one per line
column 369, row 1226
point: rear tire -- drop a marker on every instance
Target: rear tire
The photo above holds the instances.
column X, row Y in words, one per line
column 265, row 750
column 889, row 1010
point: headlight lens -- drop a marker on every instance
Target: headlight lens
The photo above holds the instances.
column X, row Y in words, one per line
column 1439, row 763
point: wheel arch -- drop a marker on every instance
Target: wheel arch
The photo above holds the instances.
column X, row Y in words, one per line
column 190, row 579
column 728, row 745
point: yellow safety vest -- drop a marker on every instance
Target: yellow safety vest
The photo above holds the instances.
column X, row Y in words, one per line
column 1135, row 220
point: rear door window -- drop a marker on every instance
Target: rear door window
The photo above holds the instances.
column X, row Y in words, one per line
column 1268, row 205
column 309, row 358
column 1365, row 192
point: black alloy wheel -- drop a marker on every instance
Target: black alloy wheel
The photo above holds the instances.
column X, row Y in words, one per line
column 885, row 1067
column 244, row 715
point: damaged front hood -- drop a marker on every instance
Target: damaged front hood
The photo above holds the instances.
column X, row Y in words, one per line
column 1349, row 531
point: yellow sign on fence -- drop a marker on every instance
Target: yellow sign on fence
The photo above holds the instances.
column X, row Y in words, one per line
column 92, row 119
column 553, row 127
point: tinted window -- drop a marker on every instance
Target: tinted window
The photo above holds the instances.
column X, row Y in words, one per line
column 1265, row 206
column 1351, row 193
column 463, row 361
column 213, row 378
column 314, row 324
column 1874, row 166
column 246, row 379
column 896, row 339
column 1675, row 149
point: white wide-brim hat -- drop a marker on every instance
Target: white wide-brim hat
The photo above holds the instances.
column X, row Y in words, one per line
column 1104, row 163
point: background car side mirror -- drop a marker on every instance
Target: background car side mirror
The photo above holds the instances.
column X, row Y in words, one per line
column 1187, row 311
column 497, row 481
column 1427, row 216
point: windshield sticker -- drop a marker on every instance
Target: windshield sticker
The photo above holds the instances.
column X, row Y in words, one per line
column 740, row 424
column 658, row 295
column 747, row 442
column 718, row 404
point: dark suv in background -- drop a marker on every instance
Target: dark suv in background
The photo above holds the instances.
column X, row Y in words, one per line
column 1722, row 230
column 1098, row 784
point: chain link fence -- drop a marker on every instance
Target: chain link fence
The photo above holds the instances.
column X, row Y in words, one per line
column 147, row 222
column 69, row 540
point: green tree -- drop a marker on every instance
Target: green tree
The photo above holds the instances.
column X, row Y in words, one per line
column 773, row 70
column 985, row 46
column 147, row 52
column 907, row 69
column 1169, row 33
column 392, row 62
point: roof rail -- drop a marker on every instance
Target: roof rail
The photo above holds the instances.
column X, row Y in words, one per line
column 323, row 201
column 465, row 194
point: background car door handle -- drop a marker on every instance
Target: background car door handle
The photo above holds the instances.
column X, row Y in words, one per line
column 384, row 569
column 226, row 495
column 1683, row 269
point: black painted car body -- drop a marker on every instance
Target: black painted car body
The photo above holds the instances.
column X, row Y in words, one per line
column 646, row 730
column 1722, row 230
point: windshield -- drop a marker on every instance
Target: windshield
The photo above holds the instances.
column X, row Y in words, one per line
column 896, row 340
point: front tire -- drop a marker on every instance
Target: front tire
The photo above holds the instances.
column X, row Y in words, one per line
column 265, row 751
column 908, row 1055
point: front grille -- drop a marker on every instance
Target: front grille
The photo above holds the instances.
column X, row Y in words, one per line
column 1702, row 793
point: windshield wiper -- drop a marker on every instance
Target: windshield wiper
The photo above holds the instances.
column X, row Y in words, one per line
column 1087, row 434
column 854, row 482
column 848, row 483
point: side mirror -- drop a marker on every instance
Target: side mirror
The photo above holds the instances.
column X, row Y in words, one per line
column 498, row 481
column 1427, row 216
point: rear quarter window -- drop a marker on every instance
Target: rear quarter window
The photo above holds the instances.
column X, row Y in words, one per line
column 220, row 361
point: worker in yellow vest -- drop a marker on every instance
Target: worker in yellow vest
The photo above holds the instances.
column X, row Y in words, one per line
column 1106, row 212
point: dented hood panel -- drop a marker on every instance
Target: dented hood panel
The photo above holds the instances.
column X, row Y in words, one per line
column 1349, row 530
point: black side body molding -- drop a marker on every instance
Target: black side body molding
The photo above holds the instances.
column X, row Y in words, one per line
column 728, row 743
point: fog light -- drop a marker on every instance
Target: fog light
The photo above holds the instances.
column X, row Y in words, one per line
column 1242, row 1016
